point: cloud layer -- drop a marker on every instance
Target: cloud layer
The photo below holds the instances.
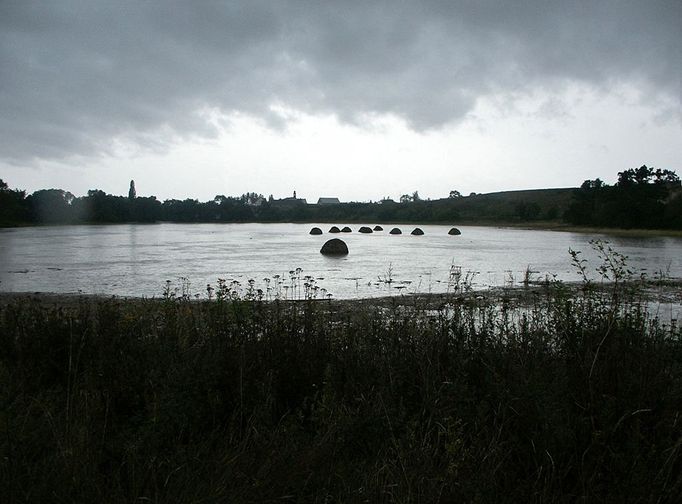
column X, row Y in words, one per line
column 78, row 78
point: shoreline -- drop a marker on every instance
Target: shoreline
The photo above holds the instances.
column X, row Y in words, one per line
column 662, row 291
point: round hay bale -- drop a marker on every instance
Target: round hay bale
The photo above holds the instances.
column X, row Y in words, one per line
column 417, row 232
column 395, row 231
column 365, row 229
column 454, row 232
column 316, row 231
column 334, row 229
column 334, row 247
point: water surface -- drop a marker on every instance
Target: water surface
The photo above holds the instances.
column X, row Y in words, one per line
column 137, row 259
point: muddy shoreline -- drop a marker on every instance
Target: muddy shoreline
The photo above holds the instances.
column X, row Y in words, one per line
column 664, row 292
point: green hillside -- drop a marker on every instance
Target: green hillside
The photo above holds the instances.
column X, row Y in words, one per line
column 510, row 206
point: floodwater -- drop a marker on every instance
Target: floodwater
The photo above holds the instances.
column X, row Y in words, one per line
column 138, row 259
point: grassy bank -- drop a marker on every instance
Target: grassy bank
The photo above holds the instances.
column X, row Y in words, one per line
column 635, row 233
column 557, row 225
column 572, row 395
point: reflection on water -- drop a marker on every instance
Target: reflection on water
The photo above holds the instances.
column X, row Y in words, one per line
column 136, row 259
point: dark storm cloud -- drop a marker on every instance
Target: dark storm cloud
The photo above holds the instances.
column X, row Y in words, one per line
column 76, row 75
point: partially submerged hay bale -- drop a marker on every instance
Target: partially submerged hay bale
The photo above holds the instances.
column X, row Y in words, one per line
column 334, row 247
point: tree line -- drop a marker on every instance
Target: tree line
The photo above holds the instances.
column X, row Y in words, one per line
column 56, row 206
column 641, row 198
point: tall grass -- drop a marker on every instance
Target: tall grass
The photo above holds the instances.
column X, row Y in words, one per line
column 576, row 395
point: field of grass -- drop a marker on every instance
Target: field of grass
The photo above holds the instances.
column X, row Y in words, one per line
column 571, row 395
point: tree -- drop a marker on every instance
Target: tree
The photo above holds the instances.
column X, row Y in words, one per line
column 51, row 206
column 415, row 196
column 645, row 175
column 405, row 198
column 131, row 192
column 13, row 206
column 592, row 184
column 667, row 177
column 99, row 206
column 252, row 199
column 641, row 198
column 146, row 209
column 455, row 194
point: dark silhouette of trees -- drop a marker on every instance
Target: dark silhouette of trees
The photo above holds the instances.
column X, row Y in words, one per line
column 51, row 206
column 13, row 206
column 145, row 209
column 98, row 206
column 54, row 206
column 641, row 198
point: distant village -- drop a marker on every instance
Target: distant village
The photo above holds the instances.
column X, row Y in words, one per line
column 294, row 200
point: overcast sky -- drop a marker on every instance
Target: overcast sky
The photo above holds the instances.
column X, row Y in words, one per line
column 354, row 99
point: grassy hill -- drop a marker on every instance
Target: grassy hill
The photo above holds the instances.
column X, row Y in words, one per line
column 511, row 206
